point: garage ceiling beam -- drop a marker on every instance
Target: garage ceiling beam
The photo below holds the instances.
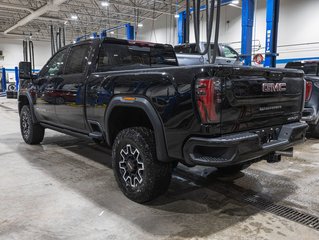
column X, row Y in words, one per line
column 51, row 5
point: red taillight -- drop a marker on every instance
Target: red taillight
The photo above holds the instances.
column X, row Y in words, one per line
column 308, row 90
column 208, row 99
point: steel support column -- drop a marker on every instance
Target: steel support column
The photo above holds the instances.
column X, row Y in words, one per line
column 272, row 32
column 16, row 71
column 4, row 80
column 248, row 12
column 94, row 35
column 129, row 31
column 103, row 34
column 181, row 27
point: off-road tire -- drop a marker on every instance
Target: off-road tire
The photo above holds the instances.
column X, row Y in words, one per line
column 156, row 175
column 32, row 133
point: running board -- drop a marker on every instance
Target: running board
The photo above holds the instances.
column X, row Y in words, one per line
column 96, row 135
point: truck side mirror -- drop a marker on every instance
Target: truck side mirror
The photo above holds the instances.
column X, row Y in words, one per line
column 25, row 71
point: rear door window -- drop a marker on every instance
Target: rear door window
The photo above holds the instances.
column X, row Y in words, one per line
column 77, row 59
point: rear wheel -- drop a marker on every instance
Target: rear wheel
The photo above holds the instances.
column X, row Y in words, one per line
column 140, row 176
column 31, row 132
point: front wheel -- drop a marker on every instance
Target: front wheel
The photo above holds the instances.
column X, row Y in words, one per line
column 140, row 176
column 31, row 132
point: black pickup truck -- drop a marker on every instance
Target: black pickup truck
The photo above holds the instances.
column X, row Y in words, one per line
column 311, row 110
column 153, row 113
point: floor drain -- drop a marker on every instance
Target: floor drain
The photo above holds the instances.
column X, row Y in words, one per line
column 232, row 191
column 282, row 211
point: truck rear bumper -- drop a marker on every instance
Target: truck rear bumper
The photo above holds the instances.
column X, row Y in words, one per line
column 241, row 147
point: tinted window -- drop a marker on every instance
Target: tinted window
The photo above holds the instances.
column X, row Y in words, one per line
column 55, row 65
column 77, row 59
column 186, row 49
column 308, row 68
column 229, row 52
column 114, row 57
column 191, row 49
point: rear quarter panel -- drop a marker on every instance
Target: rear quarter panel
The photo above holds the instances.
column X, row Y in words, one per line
column 169, row 90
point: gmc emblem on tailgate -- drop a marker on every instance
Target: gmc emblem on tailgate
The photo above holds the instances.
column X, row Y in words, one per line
column 274, row 87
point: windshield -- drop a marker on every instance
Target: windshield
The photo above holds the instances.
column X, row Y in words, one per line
column 114, row 57
column 309, row 68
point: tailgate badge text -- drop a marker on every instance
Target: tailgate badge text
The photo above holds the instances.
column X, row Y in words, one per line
column 274, row 87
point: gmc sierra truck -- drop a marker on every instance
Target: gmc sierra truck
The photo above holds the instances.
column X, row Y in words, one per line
column 153, row 113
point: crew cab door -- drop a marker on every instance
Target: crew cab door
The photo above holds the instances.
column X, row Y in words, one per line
column 70, row 91
column 46, row 84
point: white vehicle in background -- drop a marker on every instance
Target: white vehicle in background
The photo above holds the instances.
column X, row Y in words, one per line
column 187, row 54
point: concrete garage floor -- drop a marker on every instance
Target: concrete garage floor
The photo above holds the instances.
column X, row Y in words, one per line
column 65, row 189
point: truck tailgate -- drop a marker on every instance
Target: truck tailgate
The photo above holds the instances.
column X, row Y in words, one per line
column 258, row 98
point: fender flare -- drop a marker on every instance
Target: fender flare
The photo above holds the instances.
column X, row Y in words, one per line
column 146, row 106
column 27, row 95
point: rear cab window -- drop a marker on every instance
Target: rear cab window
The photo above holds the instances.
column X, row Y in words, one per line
column 126, row 56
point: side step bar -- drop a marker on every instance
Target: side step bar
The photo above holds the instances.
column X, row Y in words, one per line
column 96, row 135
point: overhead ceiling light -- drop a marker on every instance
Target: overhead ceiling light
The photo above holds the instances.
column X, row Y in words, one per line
column 235, row 2
column 176, row 16
column 112, row 32
column 104, row 4
column 140, row 25
column 74, row 17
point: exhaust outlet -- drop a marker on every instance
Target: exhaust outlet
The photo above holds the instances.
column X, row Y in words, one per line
column 286, row 153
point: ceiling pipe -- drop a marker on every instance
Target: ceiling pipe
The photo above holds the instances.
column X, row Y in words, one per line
column 21, row 37
column 51, row 5
column 62, row 20
column 76, row 7
column 140, row 7
column 13, row 6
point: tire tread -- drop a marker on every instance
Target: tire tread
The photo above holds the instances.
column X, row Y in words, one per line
column 159, row 177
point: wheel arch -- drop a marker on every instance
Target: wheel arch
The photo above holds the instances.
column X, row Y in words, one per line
column 25, row 99
column 142, row 106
